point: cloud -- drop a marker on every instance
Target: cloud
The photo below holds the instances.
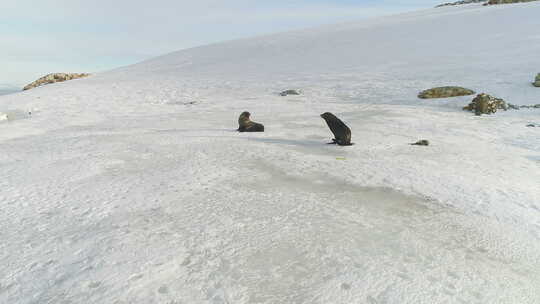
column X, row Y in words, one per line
column 39, row 37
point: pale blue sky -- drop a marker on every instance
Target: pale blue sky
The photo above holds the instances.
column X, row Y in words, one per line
column 39, row 37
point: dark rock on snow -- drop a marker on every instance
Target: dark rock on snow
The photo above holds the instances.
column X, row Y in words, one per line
column 422, row 142
column 460, row 3
column 536, row 106
column 536, row 82
column 486, row 104
column 289, row 92
column 492, row 2
column 445, row 92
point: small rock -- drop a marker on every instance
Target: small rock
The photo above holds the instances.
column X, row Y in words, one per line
column 186, row 261
column 289, row 92
column 345, row 286
column 422, row 142
column 445, row 92
column 163, row 289
column 536, row 82
column 531, row 125
column 486, row 104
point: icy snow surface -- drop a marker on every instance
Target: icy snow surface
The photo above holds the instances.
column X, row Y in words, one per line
column 132, row 186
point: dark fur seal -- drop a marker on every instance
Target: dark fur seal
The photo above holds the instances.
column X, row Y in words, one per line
column 342, row 133
column 246, row 125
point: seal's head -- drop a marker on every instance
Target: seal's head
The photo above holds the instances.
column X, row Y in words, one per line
column 327, row 115
column 245, row 115
column 243, row 120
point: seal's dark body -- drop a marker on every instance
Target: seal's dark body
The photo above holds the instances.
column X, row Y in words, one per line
column 246, row 125
column 342, row 133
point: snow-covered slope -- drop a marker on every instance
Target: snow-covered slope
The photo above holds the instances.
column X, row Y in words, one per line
column 132, row 186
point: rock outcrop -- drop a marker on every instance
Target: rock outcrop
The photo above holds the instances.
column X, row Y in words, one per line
column 486, row 2
column 536, row 82
column 534, row 106
column 460, row 2
column 445, row 92
column 55, row 77
column 486, row 104
column 492, row 2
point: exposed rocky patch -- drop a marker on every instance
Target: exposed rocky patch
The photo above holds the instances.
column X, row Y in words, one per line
column 55, row 77
column 445, row 92
column 492, row 2
column 486, row 104
column 516, row 107
column 486, row 2
column 460, row 3
column 535, row 106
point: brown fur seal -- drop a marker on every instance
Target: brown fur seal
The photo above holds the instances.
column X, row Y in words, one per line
column 342, row 133
column 246, row 125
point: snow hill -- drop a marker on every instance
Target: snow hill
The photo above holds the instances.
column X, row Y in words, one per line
column 132, row 186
